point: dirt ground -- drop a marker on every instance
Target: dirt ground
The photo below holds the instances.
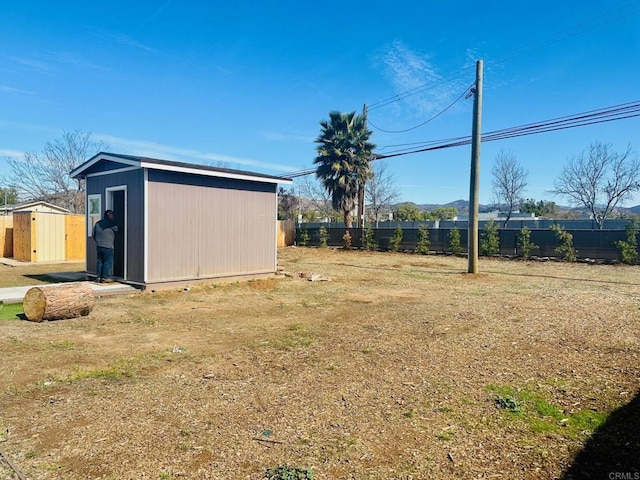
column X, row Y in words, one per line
column 399, row 367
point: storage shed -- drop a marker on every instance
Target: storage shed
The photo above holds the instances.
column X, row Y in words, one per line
column 180, row 222
column 32, row 206
column 41, row 236
column 39, row 231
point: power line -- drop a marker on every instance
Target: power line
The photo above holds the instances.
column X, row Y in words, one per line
column 569, row 32
column 603, row 115
column 591, row 117
column 463, row 94
column 419, row 89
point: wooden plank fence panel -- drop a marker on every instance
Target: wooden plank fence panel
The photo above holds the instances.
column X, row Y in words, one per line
column 286, row 232
column 75, row 238
column 6, row 236
column 22, row 236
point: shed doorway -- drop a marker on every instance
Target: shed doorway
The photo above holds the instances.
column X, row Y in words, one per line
column 117, row 201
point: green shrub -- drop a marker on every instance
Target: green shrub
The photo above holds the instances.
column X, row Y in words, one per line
column 569, row 254
column 324, row 236
column 509, row 403
column 369, row 238
column 455, row 246
column 285, row 472
column 394, row 243
column 525, row 244
column 423, row 243
column 629, row 248
column 303, row 237
column 489, row 240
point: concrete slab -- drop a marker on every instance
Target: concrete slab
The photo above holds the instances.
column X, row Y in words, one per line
column 16, row 294
column 13, row 294
column 11, row 262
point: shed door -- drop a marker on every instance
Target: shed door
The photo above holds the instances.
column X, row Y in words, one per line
column 118, row 206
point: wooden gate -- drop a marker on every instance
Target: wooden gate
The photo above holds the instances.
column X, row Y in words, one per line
column 48, row 237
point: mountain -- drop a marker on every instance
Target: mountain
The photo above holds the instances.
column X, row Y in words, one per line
column 460, row 205
column 463, row 207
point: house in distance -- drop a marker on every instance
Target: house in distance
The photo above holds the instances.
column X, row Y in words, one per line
column 181, row 222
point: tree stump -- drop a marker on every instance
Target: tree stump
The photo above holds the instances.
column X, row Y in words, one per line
column 54, row 302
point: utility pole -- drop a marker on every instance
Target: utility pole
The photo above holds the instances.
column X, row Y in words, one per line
column 362, row 183
column 474, row 184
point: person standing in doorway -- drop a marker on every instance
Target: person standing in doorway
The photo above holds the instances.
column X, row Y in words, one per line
column 104, row 234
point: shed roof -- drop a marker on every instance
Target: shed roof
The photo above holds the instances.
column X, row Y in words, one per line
column 157, row 164
column 32, row 205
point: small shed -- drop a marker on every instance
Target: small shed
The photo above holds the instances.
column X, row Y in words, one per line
column 39, row 231
column 32, row 206
column 47, row 236
column 181, row 222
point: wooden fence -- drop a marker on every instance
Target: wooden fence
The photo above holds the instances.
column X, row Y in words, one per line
column 45, row 237
column 6, row 236
column 286, row 233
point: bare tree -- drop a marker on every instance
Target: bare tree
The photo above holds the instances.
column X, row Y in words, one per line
column 509, row 182
column 45, row 175
column 380, row 191
column 287, row 204
column 313, row 195
column 8, row 196
column 599, row 179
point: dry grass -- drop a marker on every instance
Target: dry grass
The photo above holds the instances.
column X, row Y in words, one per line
column 400, row 367
column 24, row 274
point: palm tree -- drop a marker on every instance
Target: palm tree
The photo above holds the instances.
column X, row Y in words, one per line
column 343, row 158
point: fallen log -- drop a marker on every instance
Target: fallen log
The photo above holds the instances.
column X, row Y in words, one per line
column 54, row 302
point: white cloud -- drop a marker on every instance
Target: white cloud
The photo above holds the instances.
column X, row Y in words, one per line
column 7, row 89
column 49, row 62
column 5, row 152
column 416, row 79
column 150, row 149
column 160, row 11
column 287, row 137
column 31, row 63
column 71, row 58
column 168, row 152
column 128, row 41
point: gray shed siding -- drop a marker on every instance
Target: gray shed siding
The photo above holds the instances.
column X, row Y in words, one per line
column 207, row 227
column 134, row 231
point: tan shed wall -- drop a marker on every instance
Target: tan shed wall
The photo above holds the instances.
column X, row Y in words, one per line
column 6, row 236
column 50, row 237
column 198, row 231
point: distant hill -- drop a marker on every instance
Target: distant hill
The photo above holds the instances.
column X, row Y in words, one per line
column 463, row 207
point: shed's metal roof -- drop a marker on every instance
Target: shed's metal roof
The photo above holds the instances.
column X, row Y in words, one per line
column 32, row 205
column 173, row 166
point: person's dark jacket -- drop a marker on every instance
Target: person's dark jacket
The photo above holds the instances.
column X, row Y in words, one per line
column 104, row 233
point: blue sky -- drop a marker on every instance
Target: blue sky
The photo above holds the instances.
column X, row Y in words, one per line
column 245, row 84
